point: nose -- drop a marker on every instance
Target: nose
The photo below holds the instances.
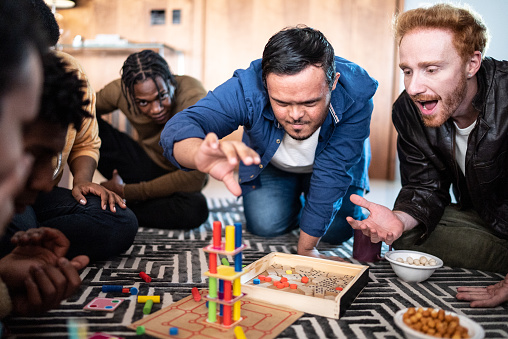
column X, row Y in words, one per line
column 414, row 84
column 156, row 107
column 296, row 112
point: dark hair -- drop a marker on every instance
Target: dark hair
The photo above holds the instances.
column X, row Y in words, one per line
column 145, row 65
column 63, row 97
column 294, row 48
column 48, row 20
column 20, row 31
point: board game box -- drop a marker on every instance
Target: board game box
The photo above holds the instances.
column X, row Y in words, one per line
column 328, row 289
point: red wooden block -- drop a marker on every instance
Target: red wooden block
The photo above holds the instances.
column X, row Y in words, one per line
column 195, row 294
column 145, row 277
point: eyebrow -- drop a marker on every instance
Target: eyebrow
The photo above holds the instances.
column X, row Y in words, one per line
column 421, row 64
column 160, row 93
column 306, row 102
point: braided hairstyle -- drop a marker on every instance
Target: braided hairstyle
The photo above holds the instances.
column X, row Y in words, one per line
column 145, row 65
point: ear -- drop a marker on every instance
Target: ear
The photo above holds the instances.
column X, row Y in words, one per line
column 337, row 76
column 474, row 63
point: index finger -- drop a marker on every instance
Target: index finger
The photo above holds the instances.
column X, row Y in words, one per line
column 211, row 140
column 71, row 274
column 235, row 151
column 355, row 224
column 360, row 201
column 471, row 289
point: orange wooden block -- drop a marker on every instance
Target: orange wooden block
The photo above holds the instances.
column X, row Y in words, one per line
column 338, row 288
column 283, row 279
column 286, row 284
column 268, row 279
column 293, row 286
column 305, row 280
column 279, row 285
column 261, row 277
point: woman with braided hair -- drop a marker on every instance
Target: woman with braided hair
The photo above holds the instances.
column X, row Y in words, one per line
column 148, row 94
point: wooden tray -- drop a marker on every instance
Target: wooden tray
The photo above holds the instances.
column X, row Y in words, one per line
column 333, row 305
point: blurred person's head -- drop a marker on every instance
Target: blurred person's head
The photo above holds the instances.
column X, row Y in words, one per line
column 48, row 20
column 62, row 104
column 22, row 45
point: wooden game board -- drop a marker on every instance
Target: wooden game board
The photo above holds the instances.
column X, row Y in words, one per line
column 259, row 320
column 319, row 295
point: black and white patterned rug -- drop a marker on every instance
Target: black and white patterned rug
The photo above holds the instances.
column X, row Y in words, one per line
column 176, row 262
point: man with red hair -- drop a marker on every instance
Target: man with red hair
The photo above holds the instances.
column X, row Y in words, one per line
column 452, row 132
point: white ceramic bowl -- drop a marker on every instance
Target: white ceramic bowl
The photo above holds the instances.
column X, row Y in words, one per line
column 408, row 272
column 474, row 329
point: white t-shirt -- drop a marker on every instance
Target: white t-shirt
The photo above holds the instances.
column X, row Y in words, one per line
column 461, row 145
column 296, row 156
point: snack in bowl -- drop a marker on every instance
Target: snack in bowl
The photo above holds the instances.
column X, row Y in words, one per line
column 423, row 323
column 413, row 266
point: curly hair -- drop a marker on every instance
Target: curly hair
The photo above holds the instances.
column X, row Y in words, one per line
column 48, row 20
column 20, row 30
column 470, row 33
column 292, row 49
column 62, row 101
column 144, row 65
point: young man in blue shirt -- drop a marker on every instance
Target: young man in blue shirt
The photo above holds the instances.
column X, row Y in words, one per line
column 306, row 116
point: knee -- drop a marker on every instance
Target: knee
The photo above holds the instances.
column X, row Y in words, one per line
column 123, row 227
column 265, row 226
column 127, row 222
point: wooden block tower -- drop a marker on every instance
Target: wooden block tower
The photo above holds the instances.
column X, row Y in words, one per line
column 224, row 288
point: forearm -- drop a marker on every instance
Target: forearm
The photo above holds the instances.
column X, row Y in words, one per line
column 307, row 244
column 83, row 169
column 185, row 152
column 177, row 181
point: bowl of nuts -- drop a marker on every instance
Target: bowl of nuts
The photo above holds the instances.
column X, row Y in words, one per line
column 413, row 266
column 429, row 323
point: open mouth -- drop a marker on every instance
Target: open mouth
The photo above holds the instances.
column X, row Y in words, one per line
column 427, row 106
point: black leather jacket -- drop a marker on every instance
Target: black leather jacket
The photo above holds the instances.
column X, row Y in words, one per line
column 427, row 157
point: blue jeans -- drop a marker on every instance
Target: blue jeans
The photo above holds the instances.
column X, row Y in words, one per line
column 275, row 207
column 98, row 233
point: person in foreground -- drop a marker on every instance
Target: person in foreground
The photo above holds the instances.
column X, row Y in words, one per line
column 87, row 213
column 148, row 94
column 306, row 116
column 452, row 131
column 34, row 276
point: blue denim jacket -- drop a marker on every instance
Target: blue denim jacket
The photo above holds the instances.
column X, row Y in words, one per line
column 243, row 101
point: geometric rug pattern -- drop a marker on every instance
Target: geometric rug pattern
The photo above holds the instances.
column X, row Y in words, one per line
column 176, row 262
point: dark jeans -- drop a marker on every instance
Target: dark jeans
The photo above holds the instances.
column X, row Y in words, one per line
column 275, row 207
column 181, row 210
column 461, row 239
column 98, row 233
